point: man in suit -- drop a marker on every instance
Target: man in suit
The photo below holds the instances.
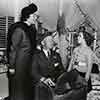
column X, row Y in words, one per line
column 21, row 46
column 46, row 68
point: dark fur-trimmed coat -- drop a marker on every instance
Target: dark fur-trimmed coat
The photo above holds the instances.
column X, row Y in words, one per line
column 21, row 45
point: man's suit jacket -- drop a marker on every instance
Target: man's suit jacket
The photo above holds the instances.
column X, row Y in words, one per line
column 48, row 67
column 43, row 66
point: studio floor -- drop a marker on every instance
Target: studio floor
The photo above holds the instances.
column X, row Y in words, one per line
column 93, row 95
column 3, row 85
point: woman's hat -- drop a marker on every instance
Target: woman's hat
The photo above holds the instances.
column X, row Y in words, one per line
column 29, row 10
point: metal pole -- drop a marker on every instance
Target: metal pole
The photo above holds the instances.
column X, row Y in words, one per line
column 95, row 38
column 60, row 7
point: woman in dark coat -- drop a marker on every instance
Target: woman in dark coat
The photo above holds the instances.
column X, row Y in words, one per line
column 21, row 45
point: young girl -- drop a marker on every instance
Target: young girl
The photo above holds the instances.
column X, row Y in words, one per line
column 79, row 69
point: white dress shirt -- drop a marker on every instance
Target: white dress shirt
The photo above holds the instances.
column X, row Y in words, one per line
column 46, row 52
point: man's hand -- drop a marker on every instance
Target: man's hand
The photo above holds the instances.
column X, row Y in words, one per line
column 49, row 82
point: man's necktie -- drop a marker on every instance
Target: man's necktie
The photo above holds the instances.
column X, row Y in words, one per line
column 48, row 54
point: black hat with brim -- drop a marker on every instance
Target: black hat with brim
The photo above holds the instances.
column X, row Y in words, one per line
column 41, row 37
